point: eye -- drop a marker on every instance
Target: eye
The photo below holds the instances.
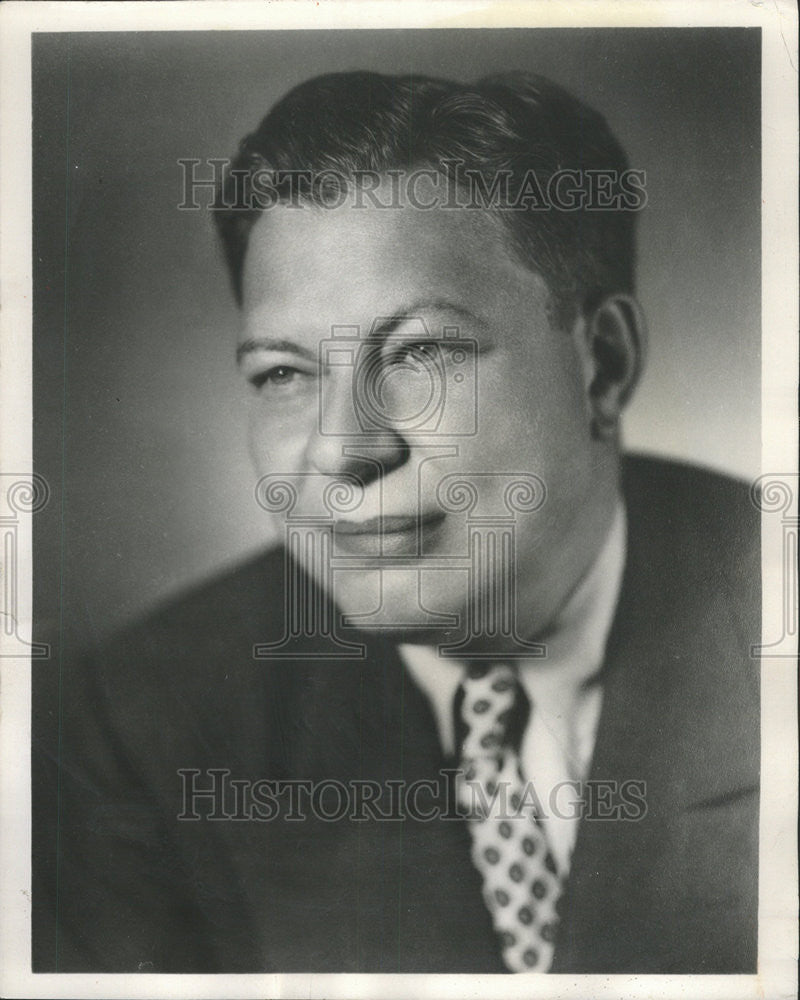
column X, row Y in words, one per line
column 275, row 378
column 422, row 350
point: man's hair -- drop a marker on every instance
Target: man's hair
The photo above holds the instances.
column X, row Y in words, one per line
column 520, row 124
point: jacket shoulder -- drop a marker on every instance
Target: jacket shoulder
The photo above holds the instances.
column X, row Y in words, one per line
column 694, row 559
column 213, row 611
column 718, row 499
column 702, row 513
column 188, row 668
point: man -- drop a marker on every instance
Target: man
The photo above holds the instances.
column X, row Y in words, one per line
column 490, row 708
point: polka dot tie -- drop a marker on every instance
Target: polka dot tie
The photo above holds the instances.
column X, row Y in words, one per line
column 521, row 886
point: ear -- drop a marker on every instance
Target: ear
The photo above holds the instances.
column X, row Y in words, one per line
column 616, row 339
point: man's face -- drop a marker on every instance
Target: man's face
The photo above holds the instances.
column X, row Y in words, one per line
column 401, row 352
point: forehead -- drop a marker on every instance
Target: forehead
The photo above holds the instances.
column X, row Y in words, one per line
column 312, row 265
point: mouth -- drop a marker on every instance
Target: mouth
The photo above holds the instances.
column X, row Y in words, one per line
column 386, row 535
column 389, row 525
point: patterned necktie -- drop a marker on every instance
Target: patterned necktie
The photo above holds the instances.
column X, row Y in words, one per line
column 521, row 885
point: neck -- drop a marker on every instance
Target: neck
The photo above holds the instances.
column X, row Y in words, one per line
column 547, row 579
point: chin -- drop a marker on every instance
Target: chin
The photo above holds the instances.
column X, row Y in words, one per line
column 430, row 607
column 407, row 603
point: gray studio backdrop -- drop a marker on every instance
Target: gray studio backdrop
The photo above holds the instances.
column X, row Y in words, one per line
column 138, row 408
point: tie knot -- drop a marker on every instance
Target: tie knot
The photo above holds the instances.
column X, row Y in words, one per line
column 490, row 698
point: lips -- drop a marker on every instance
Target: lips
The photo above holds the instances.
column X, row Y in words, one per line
column 387, row 525
column 387, row 535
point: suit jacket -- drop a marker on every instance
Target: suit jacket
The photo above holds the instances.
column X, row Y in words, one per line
column 122, row 884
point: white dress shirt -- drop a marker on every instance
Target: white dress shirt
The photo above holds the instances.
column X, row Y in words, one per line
column 558, row 743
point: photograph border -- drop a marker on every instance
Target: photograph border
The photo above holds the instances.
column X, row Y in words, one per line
column 777, row 970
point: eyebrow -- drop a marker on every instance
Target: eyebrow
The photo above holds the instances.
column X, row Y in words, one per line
column 392, row 321
column 387, row 326
column 269, row 344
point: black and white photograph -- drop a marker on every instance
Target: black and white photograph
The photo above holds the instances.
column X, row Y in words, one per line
column 401, row 516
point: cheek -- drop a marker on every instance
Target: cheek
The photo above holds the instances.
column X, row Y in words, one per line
column 534, row 416
column 276, row 445
column 557, row 383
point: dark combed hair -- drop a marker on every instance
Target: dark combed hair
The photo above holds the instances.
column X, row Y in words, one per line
column 353, row 122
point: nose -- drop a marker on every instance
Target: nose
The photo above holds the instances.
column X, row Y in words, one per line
column 341, row 445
